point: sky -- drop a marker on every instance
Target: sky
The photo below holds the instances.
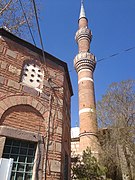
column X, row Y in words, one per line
column 113, row 27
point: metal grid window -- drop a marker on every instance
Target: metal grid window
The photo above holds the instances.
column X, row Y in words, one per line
column 23, row 153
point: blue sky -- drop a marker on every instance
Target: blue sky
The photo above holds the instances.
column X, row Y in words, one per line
column 113, row 26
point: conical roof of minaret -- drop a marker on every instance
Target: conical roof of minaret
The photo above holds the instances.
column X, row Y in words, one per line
column 82, row 11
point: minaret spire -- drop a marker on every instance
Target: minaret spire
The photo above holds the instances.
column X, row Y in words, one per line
column 85, row 63
column 82, row 11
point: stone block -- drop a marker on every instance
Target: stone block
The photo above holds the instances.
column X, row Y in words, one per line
column 55, row 100
column 3, row 105
column 53, row 113
column 60, row 115
column 12, row 100
column 60, row 101
column 12, row 69
column 45, row 96
column 42, row 110
column 20, row 134
column 45, row 115
column 13, row 84
column 55, row 166
column 11, row 53
column 1, row 110
column 2, row 80
column 3, row 65
column 7, row 102
column 18, row 99
column 18, row 72
column 39, row 106
column 12, row 103
column 1, row 48
column 58, row 147
column 2, row 143
column 51, row 146
column 30, row 90
column 29, row 100
column 61, row 90
column 24, row 100
column 59, row 130
column 34, row 103
column 45, row 83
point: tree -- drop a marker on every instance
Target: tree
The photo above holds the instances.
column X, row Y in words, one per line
column 116, row 116
column 12, row 16
column 87, row 167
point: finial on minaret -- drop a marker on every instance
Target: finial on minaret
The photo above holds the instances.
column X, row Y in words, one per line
column 85, row 63
column 82, row 12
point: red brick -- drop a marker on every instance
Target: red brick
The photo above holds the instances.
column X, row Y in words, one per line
column 29, row 109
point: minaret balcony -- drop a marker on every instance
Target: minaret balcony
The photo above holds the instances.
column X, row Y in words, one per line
column 84, row 60
column 83, row 33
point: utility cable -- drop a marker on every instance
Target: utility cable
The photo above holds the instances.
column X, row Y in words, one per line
column 116, row 54
column 48, row 134
column 27, row 22
column 110, row 56
column 50, row 99
column 38, row 26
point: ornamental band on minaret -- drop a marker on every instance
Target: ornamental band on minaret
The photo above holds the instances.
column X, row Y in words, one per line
column 84, row 64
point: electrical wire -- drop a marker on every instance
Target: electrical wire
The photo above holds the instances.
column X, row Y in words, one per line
column 35, row 10
column 27, row 22
column 53, row 90
column 39, row 32
column 31, row 31
column 110, row 56
column 48, row 134
column 116, row 54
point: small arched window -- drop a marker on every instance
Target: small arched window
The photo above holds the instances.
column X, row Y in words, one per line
column 32, row 76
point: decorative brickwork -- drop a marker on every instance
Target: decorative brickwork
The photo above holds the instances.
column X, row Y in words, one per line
column 83, row 33
column 84, row 60
column 84, row 64
column 25, row 109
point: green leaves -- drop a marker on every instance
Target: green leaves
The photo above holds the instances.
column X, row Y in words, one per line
column 88, row 168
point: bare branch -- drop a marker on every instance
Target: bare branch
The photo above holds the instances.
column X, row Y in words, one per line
column 18, row 25
column 116, row 112
column 5, row 7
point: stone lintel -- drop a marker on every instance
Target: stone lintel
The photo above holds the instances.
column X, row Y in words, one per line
column 19, row 134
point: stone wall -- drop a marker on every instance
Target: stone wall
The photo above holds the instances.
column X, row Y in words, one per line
column 25, row 109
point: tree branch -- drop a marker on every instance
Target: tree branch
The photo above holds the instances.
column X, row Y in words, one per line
column 5, row 7
column 18, row 25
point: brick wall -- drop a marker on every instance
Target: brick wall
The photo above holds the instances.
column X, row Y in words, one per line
column 24, row 108
column 23, row 117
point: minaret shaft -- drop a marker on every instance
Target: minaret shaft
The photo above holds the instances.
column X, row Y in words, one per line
column 84, row 45
column 84, row 64
column 87, row 111
column 83, row 22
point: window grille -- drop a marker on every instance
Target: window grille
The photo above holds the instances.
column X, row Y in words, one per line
column 23, row 153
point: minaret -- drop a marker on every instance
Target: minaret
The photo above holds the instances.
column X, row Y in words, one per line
column 84, row 64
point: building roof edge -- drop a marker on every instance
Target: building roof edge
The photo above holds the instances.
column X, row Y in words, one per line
column 33, row 48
